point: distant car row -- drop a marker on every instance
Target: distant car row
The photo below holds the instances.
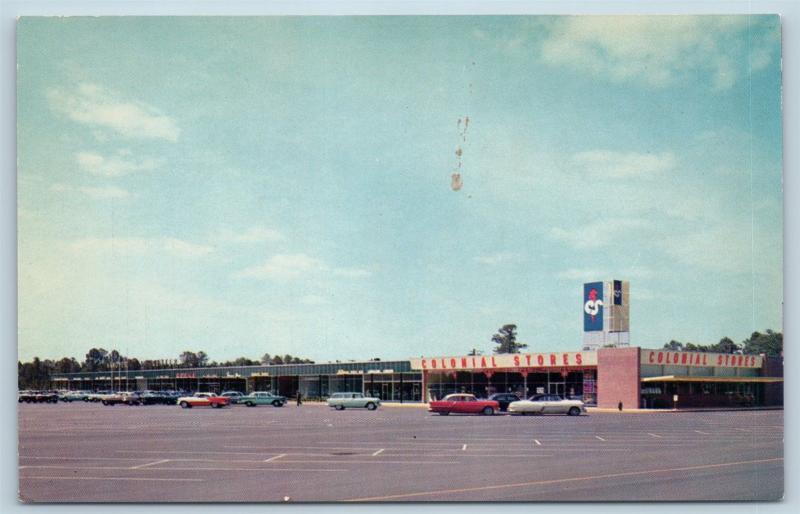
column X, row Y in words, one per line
column 539, row 404
column 458, row 403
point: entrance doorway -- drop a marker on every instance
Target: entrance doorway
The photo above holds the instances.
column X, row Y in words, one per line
column 558, row 388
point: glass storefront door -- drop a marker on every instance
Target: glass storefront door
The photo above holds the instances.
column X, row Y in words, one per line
column 558, row 388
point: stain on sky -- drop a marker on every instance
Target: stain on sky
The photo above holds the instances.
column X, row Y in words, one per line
column 455, row 180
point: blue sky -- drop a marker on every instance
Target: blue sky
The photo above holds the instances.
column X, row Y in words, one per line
column 283, row 185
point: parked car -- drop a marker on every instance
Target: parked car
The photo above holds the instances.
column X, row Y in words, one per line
column 75, row 396
column 203, row 400
column 504, row 399
column 461, row 403
column 97, row 396
column 547, row 404
column 26, row 396
column 46, row 397
column 123, row 397
column 262, row 398
column 234, row 396
column 341, row 401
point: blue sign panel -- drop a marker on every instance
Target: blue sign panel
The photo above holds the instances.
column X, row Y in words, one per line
column 592, row 306
column 618, row 292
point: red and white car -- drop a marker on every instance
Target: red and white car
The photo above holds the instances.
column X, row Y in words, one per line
column 461, row 403
column 203, row 400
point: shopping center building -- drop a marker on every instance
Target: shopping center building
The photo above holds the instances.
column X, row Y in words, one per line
column 607, row 372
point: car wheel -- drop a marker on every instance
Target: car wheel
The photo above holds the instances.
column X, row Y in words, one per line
column 250, row 404
column 339, row 407
column 105, row 403
column 488, row 411
column 185, row 405
column 20, row 400
column 276, row 403
column 574, row 411
column 215, row 406
column 371, row 406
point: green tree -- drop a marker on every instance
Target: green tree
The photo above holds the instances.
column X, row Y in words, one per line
column 675, row 346
column 725, row 345
column 506, row 340
column 266, row 359
column 770, row 344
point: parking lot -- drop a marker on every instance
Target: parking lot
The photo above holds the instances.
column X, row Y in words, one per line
column 87, row 452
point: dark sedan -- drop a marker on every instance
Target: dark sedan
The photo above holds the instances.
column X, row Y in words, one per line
column 504, row 399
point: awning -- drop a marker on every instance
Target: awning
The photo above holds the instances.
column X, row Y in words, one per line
column 723, row 380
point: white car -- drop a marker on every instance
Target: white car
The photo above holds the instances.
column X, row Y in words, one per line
column 547, row 404
column 341, row 401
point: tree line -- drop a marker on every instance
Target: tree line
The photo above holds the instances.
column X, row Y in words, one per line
column 769, row 343
column 36, row 373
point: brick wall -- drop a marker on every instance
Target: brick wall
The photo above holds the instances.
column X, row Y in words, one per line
column 773, row 393
column 618, row 377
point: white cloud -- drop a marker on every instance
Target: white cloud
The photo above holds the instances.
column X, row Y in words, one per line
column 293, row 266
column 586, row 274
column 284, row 267
column 112, row 166
column 658, row 50
column 596, row 234
column 610, row 164
column 313, row 299
column 352, row 272
column 97, row 193
column 495, row 259
column 252, row 235
column 97, row 107
column 137, row 246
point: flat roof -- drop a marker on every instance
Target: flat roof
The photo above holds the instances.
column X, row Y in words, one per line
column 686, row 378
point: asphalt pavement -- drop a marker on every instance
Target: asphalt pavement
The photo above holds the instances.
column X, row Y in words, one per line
column 83, row 452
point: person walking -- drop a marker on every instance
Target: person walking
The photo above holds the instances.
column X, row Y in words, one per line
column 299, row 399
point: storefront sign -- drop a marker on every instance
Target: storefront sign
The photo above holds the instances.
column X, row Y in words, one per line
column 699, row 359
column 510, row 362
column 185, row 375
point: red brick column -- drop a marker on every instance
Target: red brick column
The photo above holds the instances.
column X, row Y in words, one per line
column 618, row 378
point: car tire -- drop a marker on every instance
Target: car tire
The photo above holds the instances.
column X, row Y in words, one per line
column 339, row 407
column 276, row 403
column 371, row 406
column 574, row 411
column 488, row 411
column 105, row 403
column 215, row 406
column 250, row 404
column 185, row 405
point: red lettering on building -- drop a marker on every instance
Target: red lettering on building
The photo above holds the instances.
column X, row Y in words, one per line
column 483, row 362
column 516, row 360
column 578, row 359
column 540, row 360
column 464, row 362
column 684, row 356
column 473, row 362
column 660, row 357
column 651, row 358
column 565, row 359
column 433, row 363
column 453, row 363
column 553, row 359
column 528, row 359
column 494, row 364
column 424, row 364
column 719, row 360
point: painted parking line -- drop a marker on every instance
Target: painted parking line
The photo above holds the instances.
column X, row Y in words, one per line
column 536, row 442
column 148, row 464
column 378, row 452
column 464, row 448
column 143, row 479
column 654, row 435
column 271, row 459
column 560, row 480
column 701, row 432
column 599, row 438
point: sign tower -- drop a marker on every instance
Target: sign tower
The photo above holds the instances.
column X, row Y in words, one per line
column 606, row 314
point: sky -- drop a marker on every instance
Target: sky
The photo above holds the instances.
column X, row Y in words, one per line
column 281, row 185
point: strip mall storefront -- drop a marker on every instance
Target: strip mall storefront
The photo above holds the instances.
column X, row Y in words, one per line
column 634, row 377
column 569, row 374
